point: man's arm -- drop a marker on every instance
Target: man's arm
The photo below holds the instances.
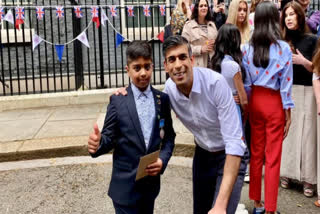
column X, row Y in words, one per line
column 230, row 173
column 232, row 133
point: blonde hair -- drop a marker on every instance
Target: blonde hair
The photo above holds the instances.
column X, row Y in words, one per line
column 233, row 16
column 179, row 5
column 316, row 60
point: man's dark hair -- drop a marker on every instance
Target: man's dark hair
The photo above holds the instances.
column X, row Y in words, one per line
column 174, row 41
column 138, row 49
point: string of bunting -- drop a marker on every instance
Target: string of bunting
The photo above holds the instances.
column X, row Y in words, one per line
column 82, row 37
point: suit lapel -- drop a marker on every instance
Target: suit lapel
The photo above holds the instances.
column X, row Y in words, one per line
column 157, row 105
column 131, row 105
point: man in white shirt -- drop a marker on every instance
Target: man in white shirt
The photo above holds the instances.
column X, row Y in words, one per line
column 203, row 102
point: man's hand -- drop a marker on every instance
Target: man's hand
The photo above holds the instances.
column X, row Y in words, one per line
column 154, row 168
column 122, row 91
column 217, row 210
column 94, row 139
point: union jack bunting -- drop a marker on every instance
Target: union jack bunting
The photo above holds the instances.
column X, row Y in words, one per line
column 20, row 13
column 146, row 10
column 78, row 12
column 1, row 13
column 94, row 12
column 113, row 11
column 130, row 11
column 59, row 12
column 40, row 13
column 162, row 9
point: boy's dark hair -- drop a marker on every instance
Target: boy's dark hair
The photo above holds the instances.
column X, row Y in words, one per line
column 227, row 42
column 138, row 49
column 174, row 41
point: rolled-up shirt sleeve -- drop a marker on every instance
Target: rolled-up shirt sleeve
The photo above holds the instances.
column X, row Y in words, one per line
column 230, row 125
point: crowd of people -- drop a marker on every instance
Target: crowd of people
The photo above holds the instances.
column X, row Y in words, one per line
column 255, row 70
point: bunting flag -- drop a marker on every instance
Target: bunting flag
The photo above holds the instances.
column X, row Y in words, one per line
column 1, row 13
column 9, row 17
column 59, row 12
column 78, row 12
column 104, row 17
column 113, row 11
column 162, row 9
column 83, row 38
column 119, row 39
column 19, row 17
column 161, row 36
column 59, row 50
column 36, row 40
column 95, row 15
column 130, row 10
column 39, row 13
column 146, row 10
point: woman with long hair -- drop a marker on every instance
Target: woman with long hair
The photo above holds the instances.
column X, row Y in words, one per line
column 201, row 33
column 239, row 15
column 316, row 88
column 268, row 64
column 227, row 61
column 299, row 156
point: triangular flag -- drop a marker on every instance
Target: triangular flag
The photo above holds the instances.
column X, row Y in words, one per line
column 9, row 17
column 36, row 40
column 161, row 36
column 83, row 38
column 104, row 17
column 59, row 50
column 119, row 39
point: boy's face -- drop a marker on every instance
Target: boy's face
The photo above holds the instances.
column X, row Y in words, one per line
column 140, row 72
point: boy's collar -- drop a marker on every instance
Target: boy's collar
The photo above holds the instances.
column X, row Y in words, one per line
column 136, row 91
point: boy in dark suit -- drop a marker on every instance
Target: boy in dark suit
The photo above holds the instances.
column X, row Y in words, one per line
column 136, row 125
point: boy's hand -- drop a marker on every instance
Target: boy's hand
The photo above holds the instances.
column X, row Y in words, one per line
column 154, row 168
column 94, row 139
column 122, row 91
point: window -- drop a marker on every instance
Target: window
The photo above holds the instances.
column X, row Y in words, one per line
column 8, row 29
column 141, row 26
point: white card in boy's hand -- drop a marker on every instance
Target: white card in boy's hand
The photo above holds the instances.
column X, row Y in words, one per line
column 144, row 162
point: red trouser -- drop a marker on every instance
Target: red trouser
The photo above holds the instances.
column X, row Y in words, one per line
column 267, row 120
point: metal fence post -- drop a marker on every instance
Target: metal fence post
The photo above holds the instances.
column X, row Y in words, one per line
column 77, row 50
column 101, row 50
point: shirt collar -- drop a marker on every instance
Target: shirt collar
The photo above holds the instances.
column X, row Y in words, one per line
column 137, row 93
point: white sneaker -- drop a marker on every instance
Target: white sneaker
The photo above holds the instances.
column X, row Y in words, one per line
column 241, row 209
column 247, row 178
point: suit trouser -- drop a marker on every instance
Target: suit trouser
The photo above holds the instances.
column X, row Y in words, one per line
column 267, row 120
column 207, row 176
column 143, row 206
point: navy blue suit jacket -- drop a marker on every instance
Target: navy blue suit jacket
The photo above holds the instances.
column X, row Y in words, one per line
column 122, row 132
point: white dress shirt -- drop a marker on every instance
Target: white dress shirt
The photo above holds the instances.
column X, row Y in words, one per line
column 209, row 113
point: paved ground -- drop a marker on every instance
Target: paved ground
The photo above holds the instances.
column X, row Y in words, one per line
column 59, row 131
column 79, row 185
